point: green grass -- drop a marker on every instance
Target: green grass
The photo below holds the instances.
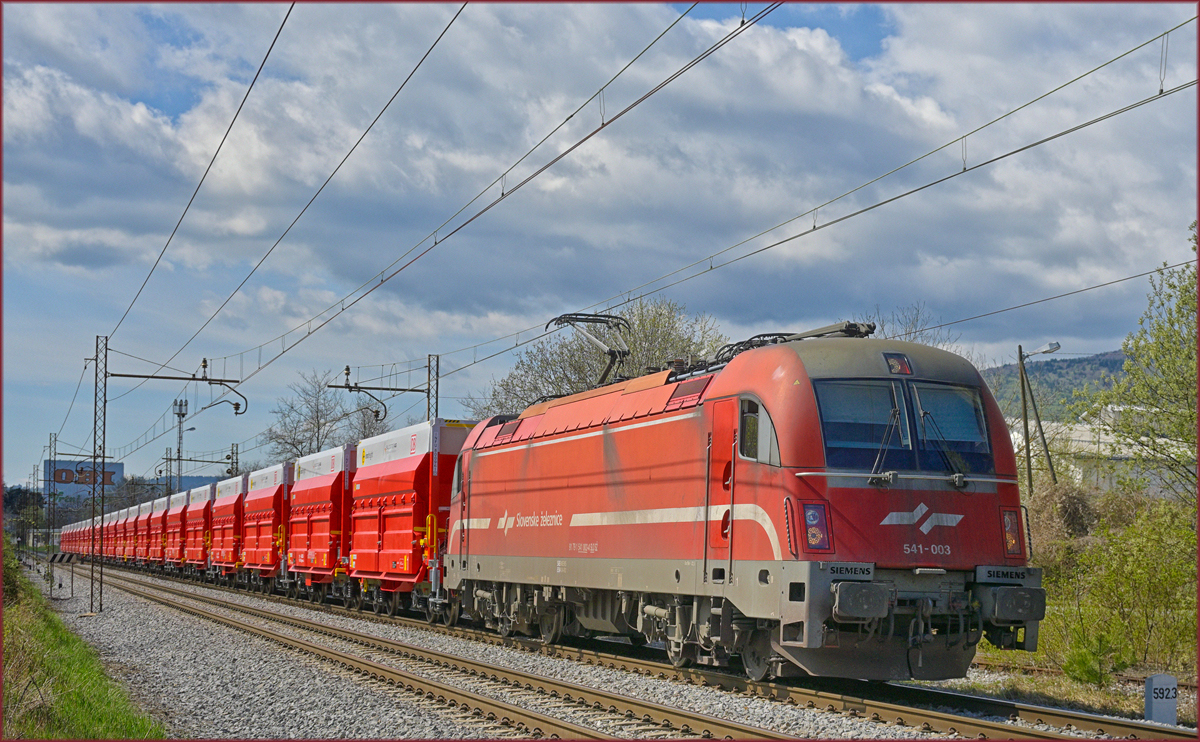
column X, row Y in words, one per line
column 54, row 684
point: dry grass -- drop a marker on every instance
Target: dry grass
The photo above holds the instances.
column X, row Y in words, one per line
column 1115, row 699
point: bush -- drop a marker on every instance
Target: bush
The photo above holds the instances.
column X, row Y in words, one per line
column 1130, row 598
column 12, row 568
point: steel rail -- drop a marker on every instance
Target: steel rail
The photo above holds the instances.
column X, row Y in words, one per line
column 531, row 722
column 854, row 703
column 664, row 717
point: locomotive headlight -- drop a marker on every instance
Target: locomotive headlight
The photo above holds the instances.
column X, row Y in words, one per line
column 816, row 527
column 1012, row 532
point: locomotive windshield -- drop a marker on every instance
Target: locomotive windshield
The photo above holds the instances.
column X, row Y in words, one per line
column 878, row 425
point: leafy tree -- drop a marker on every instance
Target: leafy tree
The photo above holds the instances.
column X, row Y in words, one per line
column 18, row 496
column 660, row 331
column 1150, row 412
column 317, row 418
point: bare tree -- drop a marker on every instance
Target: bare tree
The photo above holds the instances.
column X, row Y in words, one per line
column 318, row 417
column 659, row 331
column 915, row 324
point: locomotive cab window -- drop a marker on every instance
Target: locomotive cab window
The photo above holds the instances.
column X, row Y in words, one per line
column 951, row 429
column 457, row 484
column 864, row 421
column 756, row 434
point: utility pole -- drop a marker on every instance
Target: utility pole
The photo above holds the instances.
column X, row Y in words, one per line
column 1025, row 385
column 433, row 367
column 98, row 461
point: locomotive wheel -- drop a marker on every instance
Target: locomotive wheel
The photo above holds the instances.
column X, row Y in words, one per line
column 550, row 626
column 756, row 657
column 680, row 655
column 504, row 626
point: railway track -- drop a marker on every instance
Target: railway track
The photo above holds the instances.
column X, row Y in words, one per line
column 602, row 709
column 886, row 703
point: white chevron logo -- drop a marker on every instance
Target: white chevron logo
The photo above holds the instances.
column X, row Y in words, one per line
column 908, row 519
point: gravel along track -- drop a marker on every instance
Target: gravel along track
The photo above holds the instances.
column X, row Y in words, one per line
column 208, row 682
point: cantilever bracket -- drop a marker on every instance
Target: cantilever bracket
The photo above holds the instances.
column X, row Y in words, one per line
column 237, row 406
column 356, row 388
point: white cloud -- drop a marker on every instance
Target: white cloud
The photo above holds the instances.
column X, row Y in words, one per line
column 113, row 112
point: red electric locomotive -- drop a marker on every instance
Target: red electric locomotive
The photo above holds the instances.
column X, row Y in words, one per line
column 821, row 503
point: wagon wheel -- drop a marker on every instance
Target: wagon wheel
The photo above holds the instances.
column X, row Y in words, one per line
column 431, row 613
column 451, row 613
column 320, row 591
column 379, row 603
column 269, row 586
column 360, row 599
column 394, row 603
column 756, row 657
column 550, row 626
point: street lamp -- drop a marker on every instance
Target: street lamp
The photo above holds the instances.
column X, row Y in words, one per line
column 1021, row 356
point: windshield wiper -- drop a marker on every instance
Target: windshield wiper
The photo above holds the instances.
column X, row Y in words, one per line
column 877, row 475
column 944, row 445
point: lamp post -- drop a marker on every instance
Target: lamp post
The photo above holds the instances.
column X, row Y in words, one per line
column 1021, row 356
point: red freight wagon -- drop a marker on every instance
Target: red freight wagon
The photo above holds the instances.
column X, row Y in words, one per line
column 401, row 494
column 833, row 505
column 265, row 518
column 197, row 528
column 125, row 534
column 109, row 535
column 157, row 533
column 108, row 532
column 173, row 551
column 225, row 554
column 319, row 518
column 141, row 532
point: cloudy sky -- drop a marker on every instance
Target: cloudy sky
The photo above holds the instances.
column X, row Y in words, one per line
column 113, row 112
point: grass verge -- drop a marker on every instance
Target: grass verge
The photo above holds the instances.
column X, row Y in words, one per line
column 54, row 684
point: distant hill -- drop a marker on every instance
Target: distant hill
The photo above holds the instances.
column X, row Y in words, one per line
column 1053, row 381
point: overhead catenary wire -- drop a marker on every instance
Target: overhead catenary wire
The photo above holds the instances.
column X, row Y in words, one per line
column 612, row 303
column 321, row 188
column 812, row 211
column 205, row 175
column 381, row 277
column 347, row 304
column 875, row 206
